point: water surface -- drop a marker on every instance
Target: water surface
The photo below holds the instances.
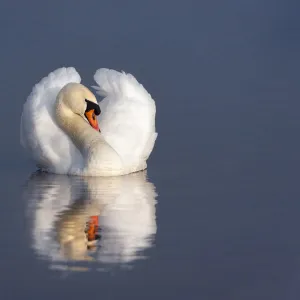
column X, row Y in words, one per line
column 225, row 223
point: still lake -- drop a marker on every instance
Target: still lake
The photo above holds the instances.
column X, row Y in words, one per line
column 216, row 214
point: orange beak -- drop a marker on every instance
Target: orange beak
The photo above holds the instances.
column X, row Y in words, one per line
column 91, row 117
column 93, row 225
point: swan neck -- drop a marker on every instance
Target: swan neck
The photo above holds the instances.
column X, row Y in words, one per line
column 80, row 132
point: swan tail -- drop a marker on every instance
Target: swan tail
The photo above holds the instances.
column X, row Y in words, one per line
column 128, row 118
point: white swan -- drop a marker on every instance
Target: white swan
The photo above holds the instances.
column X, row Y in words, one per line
column 60, row 206
column 60, row 130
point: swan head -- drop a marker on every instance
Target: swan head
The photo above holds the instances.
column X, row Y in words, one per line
column 77, row 99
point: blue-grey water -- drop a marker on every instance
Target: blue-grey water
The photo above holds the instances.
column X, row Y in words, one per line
column 216, row 215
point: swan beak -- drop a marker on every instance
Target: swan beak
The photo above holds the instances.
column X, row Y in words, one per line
column 91, row 117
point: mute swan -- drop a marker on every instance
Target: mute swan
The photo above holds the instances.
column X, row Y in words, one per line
column 59, row 125
column 60, row 206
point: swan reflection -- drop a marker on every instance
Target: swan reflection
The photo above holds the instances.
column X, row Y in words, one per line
column 110, row 220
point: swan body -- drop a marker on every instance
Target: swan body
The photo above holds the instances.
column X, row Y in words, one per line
column 60, row 129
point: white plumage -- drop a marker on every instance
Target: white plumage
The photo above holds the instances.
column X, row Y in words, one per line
column 127, row 124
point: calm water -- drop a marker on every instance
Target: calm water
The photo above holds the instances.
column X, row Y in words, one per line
column 216, row 215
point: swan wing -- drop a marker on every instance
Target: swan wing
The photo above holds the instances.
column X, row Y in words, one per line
column 48, row 145
column 127, row 121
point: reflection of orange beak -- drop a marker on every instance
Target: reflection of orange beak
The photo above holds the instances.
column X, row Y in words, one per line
column 91, row 117
column 93, row 225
